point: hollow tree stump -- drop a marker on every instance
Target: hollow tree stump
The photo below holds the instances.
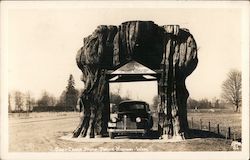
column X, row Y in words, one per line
column 169, row 48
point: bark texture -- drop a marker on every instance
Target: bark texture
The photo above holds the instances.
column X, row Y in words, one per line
column 169, row 48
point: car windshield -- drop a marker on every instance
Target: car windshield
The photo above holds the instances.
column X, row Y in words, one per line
column 131, row 107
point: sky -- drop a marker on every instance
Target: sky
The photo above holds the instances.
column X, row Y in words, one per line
column 42, row 43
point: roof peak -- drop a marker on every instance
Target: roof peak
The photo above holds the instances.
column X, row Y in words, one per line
column 133, row 67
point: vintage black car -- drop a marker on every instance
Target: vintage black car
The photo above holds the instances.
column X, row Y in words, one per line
column 130, row 118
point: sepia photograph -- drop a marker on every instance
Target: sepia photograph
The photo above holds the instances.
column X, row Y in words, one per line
column 124, row 80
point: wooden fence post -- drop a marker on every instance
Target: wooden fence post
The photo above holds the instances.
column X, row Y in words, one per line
column 218, row 128
column 209, row 128
column 229, row 133
column 201, row 124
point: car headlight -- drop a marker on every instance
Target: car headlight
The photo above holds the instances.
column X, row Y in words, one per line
column 111, row 124
column 113, row 119
column 138, row 119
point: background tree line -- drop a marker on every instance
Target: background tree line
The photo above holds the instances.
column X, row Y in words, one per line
column 24, row 102
column 205, row 103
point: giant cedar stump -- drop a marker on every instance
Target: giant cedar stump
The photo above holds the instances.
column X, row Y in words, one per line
column 169, row 48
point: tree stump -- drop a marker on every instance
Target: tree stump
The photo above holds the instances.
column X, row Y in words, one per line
column 169, row 48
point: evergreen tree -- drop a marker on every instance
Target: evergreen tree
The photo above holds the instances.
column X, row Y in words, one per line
column 71, row 94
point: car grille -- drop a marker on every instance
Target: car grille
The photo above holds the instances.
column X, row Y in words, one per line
column 127, row 123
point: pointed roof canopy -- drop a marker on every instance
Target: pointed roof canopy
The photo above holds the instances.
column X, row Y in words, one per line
column 132, row 71
column 133, row 67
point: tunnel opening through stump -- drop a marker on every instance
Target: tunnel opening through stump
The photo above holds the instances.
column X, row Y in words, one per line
column 134, row 83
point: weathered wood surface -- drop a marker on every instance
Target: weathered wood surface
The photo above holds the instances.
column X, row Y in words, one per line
column 169, row 48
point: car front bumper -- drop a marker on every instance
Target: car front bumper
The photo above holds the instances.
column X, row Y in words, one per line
column 127, row 131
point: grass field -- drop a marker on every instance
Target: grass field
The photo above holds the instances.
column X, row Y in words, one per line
column 42, row 132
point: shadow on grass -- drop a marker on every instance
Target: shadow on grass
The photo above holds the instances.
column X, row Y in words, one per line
column 195, row 133
column 192, row 133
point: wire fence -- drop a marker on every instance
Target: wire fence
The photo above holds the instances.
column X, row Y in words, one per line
column 225, row 131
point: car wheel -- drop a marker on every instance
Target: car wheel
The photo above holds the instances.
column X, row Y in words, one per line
column 112, row 135
column 150, row 123
column 160, row 130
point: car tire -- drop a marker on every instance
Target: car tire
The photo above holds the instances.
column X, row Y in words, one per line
column 160, row 130
column 112, row 135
